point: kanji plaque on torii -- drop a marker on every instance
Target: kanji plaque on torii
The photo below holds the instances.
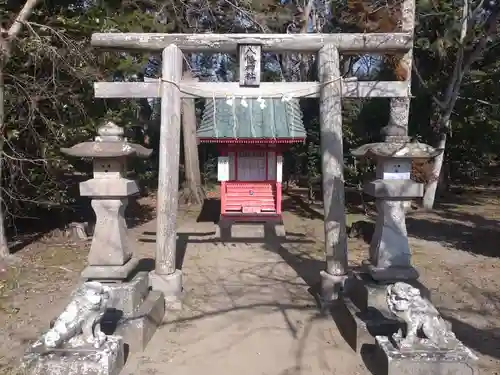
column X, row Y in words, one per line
column 249, row 59
column 330, row 88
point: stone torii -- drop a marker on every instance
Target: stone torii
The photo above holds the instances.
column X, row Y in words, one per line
column 330, row 88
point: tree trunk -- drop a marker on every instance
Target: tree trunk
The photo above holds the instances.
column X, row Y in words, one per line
column 6, row 39
column 431, row 188
column 193, row 192
column 4, row 245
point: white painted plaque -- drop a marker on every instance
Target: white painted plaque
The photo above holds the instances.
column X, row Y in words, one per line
column 279, row 168
column 396, row 169
column 223, row 168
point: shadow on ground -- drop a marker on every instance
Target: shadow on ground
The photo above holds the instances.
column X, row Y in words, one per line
column 29, row 231
column 461, row 230
column 301, row 262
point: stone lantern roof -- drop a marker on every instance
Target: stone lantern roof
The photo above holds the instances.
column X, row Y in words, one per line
column 396, row 145
column 110, row 143
column 400, row 150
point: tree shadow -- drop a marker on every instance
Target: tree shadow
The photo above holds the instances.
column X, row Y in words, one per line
column 307, row 267
column 483, row 341
column 295, row 201
column 460, row 230
column 30, row 230
column 210, row 211
column 459, row 196
column 297, row 205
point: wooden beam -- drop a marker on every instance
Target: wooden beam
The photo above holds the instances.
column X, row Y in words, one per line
column 356, row 89
column 346, row 43
column 249, row 64
column 332, row 163
column 169, row 151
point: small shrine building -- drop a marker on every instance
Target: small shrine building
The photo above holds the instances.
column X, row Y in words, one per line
column 251, row 136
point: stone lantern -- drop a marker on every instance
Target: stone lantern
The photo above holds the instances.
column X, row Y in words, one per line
column 110, row 256
column 389, row 254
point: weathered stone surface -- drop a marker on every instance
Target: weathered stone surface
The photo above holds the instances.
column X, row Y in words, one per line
column 406, row 189
column 390, row 254
column 79, row 323
column 108, row 144
column 331, row 286
column 170, row 286
column 391, row 274
column 107, row 360
column 128, row 296
column 423, row 362
column 119, row 187
column 366, row 293
column 358, row 327
column 110, row 243
column 410, row 150
column 425, row 328
column 138, row 329
column 110, row 272
column 363, row 313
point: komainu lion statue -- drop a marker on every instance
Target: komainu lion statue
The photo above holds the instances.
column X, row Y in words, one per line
column 81, row 319
column 406, row 303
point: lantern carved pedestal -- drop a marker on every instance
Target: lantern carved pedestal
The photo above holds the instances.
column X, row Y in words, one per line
column 110, row 256
column 135, row 311
column 389, row 255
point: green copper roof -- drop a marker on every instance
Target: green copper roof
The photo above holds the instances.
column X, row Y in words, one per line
column 279, row 119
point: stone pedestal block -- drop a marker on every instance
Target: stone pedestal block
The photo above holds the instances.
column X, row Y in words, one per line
column 107, row 360
column 391, row 361
column 358, row 327
column 364, row 313
column 390, row 255
column 128, row 296
column 170, row 286
column 138, row 329
column 110, row 273
column 110, row 243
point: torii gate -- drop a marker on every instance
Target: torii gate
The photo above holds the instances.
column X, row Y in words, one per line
column 330, row 89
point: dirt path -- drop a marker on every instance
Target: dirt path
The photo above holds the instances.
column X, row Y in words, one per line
column 247, row 307
column 246, row 311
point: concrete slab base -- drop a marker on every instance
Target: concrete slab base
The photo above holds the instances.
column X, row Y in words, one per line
column 432, row 362
column 392, row 274
column 229, row 228
column 107, row 360
column 137, row 330
column 170, row 286
column 128, row 296
column 101, row 273
column 359, row 328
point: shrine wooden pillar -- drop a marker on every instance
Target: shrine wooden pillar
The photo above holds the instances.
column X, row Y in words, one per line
column 332, row 163
column 166, row 277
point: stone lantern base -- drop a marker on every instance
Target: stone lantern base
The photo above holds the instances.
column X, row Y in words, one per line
column 110, row 273
column 390, row 254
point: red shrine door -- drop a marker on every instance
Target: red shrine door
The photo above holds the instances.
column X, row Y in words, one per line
column 252, row 186
column 252, row 166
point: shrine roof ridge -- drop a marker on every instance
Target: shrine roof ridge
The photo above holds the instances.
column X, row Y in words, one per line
column 346, row 42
